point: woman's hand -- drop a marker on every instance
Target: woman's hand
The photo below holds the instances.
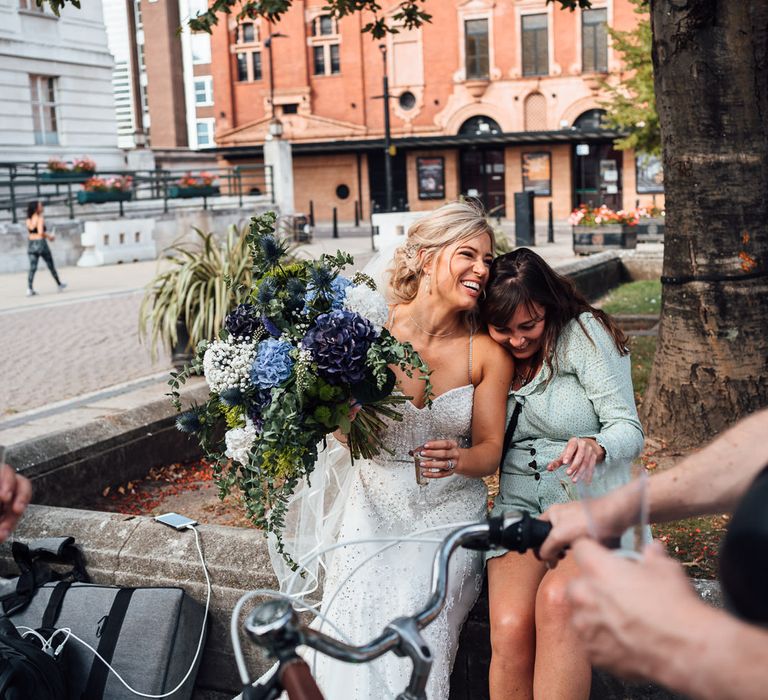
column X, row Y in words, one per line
column 440, row 458
column 580, row 454
column 354, row 409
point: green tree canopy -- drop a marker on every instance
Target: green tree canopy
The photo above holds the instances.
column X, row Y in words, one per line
column 631, row 103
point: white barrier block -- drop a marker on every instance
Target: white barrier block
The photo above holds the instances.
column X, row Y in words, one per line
column 393, row 226
column 117, row 241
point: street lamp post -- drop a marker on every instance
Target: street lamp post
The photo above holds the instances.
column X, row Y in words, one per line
column 275, row 127
column 387, row 135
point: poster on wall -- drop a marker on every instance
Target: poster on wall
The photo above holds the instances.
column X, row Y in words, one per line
column 537, row 173
column 430, row 173
column 650, row 174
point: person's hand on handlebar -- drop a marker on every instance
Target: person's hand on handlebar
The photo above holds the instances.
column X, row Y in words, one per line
column 572, row 520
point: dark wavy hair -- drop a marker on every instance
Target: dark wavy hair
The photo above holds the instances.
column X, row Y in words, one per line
column 32, row 208
column 523, row 277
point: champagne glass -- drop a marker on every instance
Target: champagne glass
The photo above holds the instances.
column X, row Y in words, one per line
column 417, row 438
column 631, row 542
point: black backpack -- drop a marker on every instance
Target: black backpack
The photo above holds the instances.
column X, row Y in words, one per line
column 26, row 671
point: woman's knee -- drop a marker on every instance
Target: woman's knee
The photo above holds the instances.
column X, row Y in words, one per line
column 552, row 600
column 512, row 630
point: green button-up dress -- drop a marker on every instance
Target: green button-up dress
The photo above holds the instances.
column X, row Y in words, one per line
column 590, row 395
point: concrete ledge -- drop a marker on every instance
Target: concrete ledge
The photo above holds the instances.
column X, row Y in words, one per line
column 596, row 274
column 126, row 550
column 126, row 434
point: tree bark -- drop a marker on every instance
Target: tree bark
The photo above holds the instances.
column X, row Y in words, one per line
column 710, row 62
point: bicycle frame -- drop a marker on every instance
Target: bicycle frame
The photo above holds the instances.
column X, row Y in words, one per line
column 275, row 625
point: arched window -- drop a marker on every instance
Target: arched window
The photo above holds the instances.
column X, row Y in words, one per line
column 591, row 120
column 479, row 126
column 535, row 112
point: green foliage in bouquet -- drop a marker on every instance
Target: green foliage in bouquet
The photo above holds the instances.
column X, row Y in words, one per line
column 287, row 367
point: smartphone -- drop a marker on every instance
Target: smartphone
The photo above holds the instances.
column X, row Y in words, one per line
column 174, row 520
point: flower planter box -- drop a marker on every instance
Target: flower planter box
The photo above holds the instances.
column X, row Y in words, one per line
column 178, row 192
column 99, row 197
column 69, row 176
column 594, row 239
column 650, row 230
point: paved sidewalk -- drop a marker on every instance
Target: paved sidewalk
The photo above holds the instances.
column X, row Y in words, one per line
column 61, row 346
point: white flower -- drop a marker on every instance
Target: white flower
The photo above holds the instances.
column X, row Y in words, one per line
column 240, row 441
column 227, row 365
column 371, row 305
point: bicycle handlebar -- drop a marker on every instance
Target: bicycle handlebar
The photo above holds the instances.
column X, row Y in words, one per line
column 275, row 626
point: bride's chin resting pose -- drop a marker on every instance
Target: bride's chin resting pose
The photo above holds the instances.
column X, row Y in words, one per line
column 434, row 283
column 574, row 408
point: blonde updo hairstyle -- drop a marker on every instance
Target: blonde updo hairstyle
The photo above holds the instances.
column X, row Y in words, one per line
column 448, row 225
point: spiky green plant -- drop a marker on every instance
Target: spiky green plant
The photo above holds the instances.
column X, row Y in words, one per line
column 205, row 281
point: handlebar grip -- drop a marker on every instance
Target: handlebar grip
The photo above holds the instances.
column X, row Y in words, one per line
column 522, row 533
column 297, row 680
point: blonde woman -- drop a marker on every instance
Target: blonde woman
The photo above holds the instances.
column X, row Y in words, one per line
column 435, row 281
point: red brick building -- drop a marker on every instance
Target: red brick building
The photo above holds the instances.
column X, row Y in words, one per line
column 488, row 99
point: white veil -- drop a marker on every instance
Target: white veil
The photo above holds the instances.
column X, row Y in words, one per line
column 316, row 509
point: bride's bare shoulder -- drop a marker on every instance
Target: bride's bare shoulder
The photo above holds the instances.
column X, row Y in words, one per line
column 491, row 355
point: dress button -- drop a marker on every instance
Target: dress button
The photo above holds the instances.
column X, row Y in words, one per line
column 537, row 476
column 533, row 452
column 532, row 464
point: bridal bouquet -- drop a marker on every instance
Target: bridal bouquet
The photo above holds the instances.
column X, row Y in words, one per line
column 286, row 370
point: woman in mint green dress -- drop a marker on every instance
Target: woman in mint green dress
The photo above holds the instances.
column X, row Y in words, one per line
column 571, row 407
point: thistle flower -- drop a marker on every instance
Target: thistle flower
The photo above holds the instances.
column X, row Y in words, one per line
column 231, row 397
column 189, row 421
column 272, row 250
column 267, row 291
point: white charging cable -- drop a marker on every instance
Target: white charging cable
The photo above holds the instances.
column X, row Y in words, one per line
column 109, row 666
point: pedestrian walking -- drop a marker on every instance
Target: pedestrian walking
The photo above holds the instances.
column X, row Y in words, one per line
column 38, row 246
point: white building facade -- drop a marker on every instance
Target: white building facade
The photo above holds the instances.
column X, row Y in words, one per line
column 56, row 81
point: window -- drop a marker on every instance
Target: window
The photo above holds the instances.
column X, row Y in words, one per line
column 204, row 91
column 242, row 67
column 476, row 48
column 43, row 89
column 30, row 6
column 256, row 65
column 535, row 59
column 205, row 133
column 323, row 26
column 325, row 46
column 201, row 48
column 247, row 33
column 594, row 41
column 291, row 108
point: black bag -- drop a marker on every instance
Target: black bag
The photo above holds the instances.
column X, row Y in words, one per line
column 26, row 671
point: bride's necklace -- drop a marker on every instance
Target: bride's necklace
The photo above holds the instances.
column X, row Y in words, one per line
column 426, row 332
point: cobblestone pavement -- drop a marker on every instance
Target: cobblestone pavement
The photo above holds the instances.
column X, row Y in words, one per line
column 57, row 352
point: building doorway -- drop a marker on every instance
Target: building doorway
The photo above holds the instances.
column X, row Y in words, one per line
column 378, row 184
column 596, row 166
column 481, row 169
column 482, row 177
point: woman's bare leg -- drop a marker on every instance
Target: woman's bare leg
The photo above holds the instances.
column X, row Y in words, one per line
column 512, row 584
column 561, row 670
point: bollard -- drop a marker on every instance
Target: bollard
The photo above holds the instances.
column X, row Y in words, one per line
column 335, row 224
column 357, row 214
column 550, row 224
column 311, row 213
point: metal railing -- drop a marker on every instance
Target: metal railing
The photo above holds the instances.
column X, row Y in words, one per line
column 24, row 182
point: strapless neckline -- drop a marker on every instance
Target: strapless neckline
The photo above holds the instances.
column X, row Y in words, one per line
column 440, row 396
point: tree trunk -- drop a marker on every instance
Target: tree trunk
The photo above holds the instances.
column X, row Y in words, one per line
column 711, row 368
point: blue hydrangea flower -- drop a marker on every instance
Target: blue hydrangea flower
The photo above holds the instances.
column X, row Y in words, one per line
column 338, row 290
column 339, row 343
column 272, row 365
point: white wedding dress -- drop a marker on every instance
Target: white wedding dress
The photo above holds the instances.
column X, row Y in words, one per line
column 366, row 586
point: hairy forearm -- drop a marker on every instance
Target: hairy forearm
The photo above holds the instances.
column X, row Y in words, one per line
column 715, row 478
column 716, row 657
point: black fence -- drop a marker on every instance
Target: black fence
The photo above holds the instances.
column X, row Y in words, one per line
column 22, row 183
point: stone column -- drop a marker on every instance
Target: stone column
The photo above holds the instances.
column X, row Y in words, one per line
column 277, row 154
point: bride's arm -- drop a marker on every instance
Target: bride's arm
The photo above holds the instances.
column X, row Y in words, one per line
column 494, row 367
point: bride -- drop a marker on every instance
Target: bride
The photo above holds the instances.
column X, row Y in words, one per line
column 434, row 284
